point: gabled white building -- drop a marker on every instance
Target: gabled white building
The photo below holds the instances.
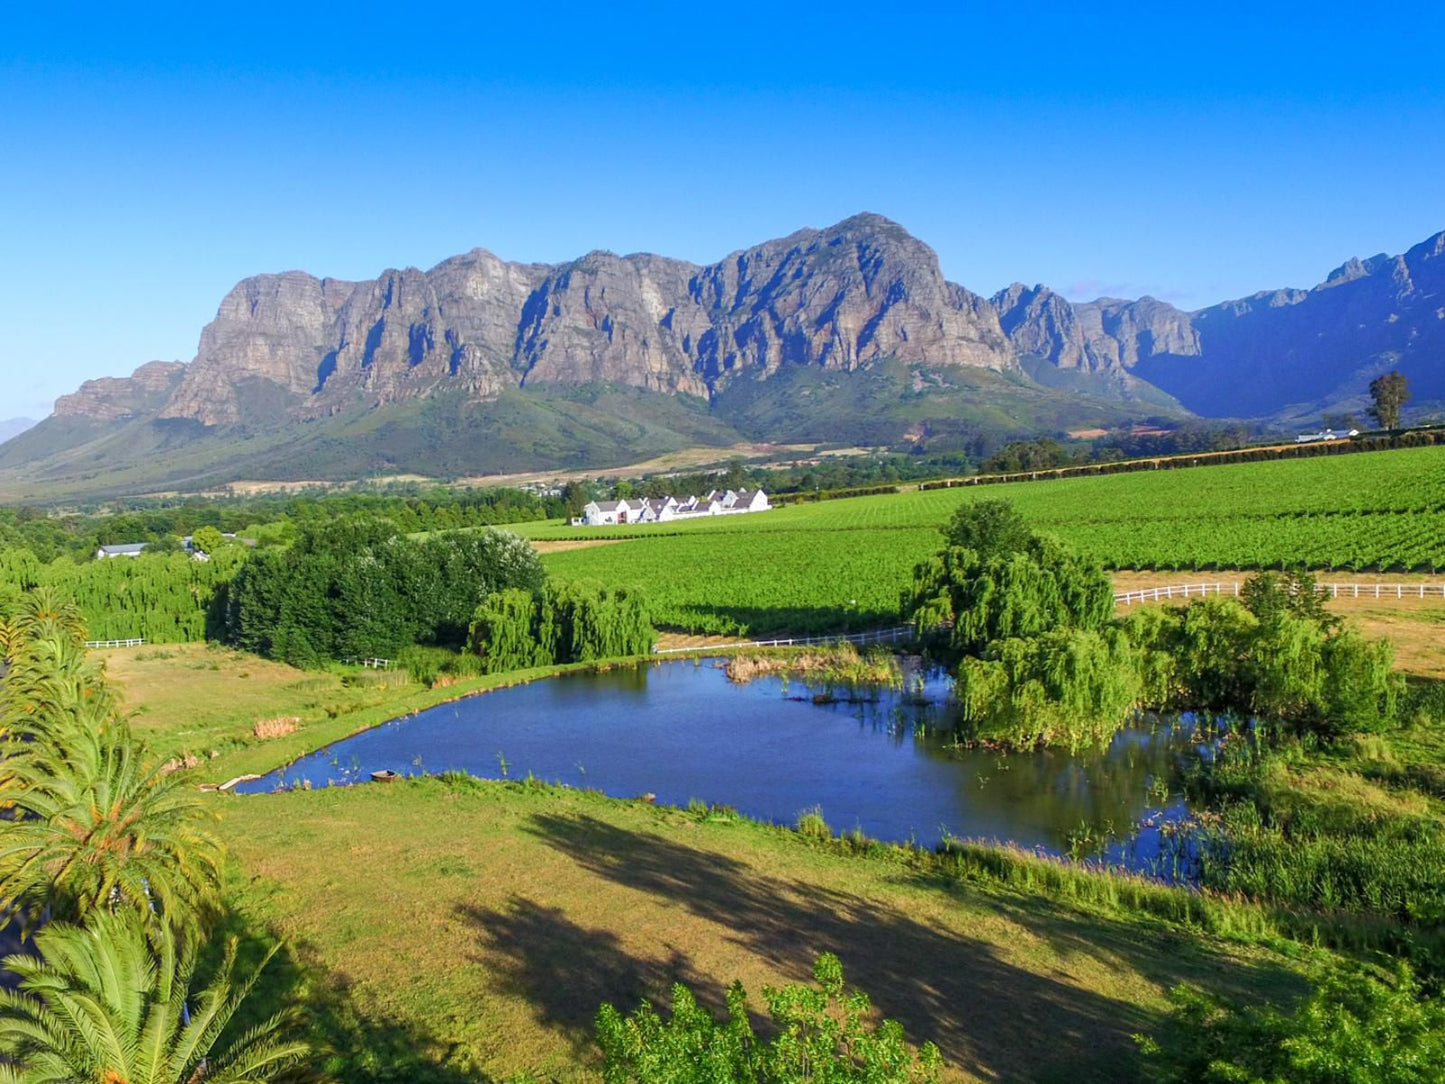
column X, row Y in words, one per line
column 609, row 513
column 663, row 509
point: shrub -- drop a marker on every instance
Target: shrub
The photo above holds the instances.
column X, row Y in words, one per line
column 822, row 1035
column 1355, row 1028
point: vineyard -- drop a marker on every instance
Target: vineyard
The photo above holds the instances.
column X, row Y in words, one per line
column 838, row 565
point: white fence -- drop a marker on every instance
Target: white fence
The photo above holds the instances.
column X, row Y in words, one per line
column 1333, row 590
column 370, row 664
column 115, row 643
column 897, row 634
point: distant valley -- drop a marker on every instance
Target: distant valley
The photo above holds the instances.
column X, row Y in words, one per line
column 849, row 334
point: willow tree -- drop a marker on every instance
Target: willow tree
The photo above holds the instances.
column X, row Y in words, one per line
column 963, row 599
column 1071, row 687
column 563, row 622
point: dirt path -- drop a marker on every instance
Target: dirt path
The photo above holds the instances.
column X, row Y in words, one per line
column 559, row 545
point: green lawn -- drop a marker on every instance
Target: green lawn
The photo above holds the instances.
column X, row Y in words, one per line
column 203, row 702
column 469, row 931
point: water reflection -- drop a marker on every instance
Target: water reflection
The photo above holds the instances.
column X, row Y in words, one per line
column 884, row 762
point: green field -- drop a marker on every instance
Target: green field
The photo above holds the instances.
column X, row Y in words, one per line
column 457, row 932
column 836, row 565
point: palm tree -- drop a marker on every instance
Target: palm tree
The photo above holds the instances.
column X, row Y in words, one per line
column 99, row 825
column 50, row 675
column 111, row 1002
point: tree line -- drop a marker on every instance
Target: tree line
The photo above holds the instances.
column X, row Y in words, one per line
column 1029, row 630
column 78, row 533
column 358, row 587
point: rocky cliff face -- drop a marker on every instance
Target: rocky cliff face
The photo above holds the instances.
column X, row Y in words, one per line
column 840, row 298
column 1274, row 351
column 114, row 398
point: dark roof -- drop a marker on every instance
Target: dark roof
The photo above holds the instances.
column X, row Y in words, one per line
column 124, row 549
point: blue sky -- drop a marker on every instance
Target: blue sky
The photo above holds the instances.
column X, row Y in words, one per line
column 150, row 158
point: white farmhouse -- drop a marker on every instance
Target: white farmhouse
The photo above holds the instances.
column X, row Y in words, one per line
column 609, row 513
column 664, row 509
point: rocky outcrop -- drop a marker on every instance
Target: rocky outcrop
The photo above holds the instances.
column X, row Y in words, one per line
column 1278, row 351
column 840, row 298
column 843, row 298
column 115, row 398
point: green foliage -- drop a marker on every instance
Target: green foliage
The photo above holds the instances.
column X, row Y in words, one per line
column 961, row 601
column 823, row 1035
column 562, row 622
column 208, row 540
column 1295, row 593
column 990, row 528
column 1356, row 1028
column 116, row 1001
column 158, row 597
column 1388, row 394
column 1070, row 687
column 1311, row 675
column 1281, row 836
column 96, row 824
column 358, row 588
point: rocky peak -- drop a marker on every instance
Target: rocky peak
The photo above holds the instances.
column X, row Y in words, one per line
column 114, row 398
column 841, row 297
column 1355, row 268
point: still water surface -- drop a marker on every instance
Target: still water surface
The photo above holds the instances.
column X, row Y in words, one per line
column 682, row 731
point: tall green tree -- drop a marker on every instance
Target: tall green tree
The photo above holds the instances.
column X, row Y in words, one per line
column 99, row 826
column 1389, row 393
column 94, row 823
column 116, row 1002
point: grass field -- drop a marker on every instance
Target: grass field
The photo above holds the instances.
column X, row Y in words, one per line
column 838, row 565
column 452, row 931
column 474, row 928
column 204, row 703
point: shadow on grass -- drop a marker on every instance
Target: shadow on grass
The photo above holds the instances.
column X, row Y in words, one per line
column 353, row 1039
column 567, row 971
column 987, row 1014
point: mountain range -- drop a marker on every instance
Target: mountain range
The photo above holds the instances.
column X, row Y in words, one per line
column 847, row 334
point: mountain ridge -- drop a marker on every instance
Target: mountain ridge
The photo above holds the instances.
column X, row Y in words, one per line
column 862, row 300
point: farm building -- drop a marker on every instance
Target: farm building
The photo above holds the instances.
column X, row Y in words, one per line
column 1326, row 434
column 125, row 549
column 664, row 509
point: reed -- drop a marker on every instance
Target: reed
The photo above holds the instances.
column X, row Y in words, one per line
column 837, row 664
column 276, row 727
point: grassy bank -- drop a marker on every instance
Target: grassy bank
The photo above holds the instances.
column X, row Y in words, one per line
column 208, row 707
column 458, row 928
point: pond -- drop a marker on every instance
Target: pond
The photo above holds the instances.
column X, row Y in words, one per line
column 884, row 764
